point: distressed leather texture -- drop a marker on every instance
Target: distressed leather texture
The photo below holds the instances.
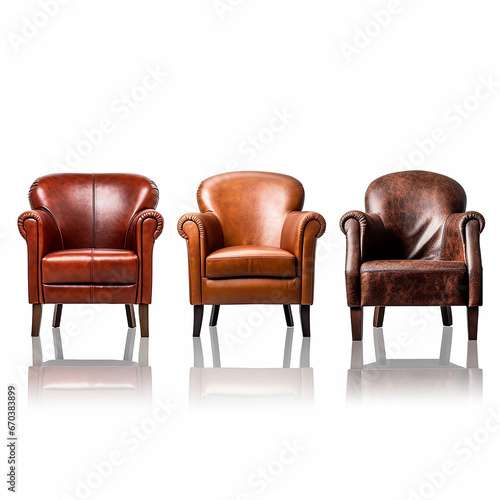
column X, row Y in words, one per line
column 414, row 245
column 251, row 241
column 90, row 238
column 419, row 282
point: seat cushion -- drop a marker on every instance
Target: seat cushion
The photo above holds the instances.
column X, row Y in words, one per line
column 250, row 261
column 413, row 283
column 90, row 265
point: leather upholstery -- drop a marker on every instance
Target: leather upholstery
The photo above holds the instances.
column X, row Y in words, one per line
column 251, row 242
column 414, row 206
column 90, row 265
column 251, row 206
column 90, row 238
column 251, row 261
column 415, row 245
column 419, row 282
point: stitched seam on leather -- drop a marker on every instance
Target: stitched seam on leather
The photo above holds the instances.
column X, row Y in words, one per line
column 128, row 285
column 93, row 210
column 131, row 220
column 37, row 218
column 410, row 271
column 38, row 264
column 142, row 259
column 260, row 275
column 212, row 259
column 32, row 188
column 92, row 275
column 45, row 209
column 90, row 284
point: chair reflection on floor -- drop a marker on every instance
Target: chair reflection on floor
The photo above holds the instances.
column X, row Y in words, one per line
column 79, row 381
column 387, row 379
column 250, row 388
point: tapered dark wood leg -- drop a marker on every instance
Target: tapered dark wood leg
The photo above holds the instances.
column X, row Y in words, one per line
column 446, row 315
column 288, row 314
column 378, row 317
column 198, row 319
column 36, row 320
column 305, row 320
column 357, row 323
column 215, row 315
column 129, row 309
column 472, row 317
column 56, row 320
column 144, row 319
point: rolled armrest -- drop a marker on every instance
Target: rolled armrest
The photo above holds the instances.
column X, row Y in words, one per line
column 298, row 236
column 461, row 242
column 203, row 233
column 454, row 235
column 365, row 241
column 144, row 228
column 42, row 235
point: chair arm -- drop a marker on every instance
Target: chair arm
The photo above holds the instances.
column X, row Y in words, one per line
column 454, row 235
column 298, row 236
column 42, row 235
column 143, row 230
column 203, row 233
column 364, row 241
column 461, row 242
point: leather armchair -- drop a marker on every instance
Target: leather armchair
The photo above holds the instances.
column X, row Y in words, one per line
column 415, row 246
column 251, row 243
column 90, row 240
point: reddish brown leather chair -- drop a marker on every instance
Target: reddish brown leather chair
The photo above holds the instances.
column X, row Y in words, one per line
column 415, row 246
column 90, row 240
column 251, row 243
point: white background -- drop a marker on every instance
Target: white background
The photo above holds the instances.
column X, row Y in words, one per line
column 229, row 70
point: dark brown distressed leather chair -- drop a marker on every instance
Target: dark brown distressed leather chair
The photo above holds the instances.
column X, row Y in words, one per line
column 415, row 246
column 251, row 243
column 90, row 240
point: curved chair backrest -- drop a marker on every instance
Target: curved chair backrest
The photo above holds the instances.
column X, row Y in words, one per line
column 251, row 206
column 414, row 206
column 93, row 210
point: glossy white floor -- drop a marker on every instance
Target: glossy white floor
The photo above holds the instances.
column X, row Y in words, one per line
column 356, row 116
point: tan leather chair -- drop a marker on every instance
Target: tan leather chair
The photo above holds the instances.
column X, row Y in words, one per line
column 415, row 246
column 90, row 241
column 251, row 244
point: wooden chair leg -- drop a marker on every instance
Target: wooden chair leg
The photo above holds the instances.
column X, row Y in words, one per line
column 472, row 317
column 305, row 320
column 198, row 320
column 144, row 319
column 56, row 320
column 129, row 309
column 214, row 316
column 36, row 320
column 357, row 323
column 378, row 317
column 446, row 315
column 288, row 314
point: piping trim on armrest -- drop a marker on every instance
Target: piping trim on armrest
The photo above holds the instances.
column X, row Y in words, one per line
column 354, row 214
column 308, row 218
column 193, row 218
column 468, row 216
column 153, row 215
